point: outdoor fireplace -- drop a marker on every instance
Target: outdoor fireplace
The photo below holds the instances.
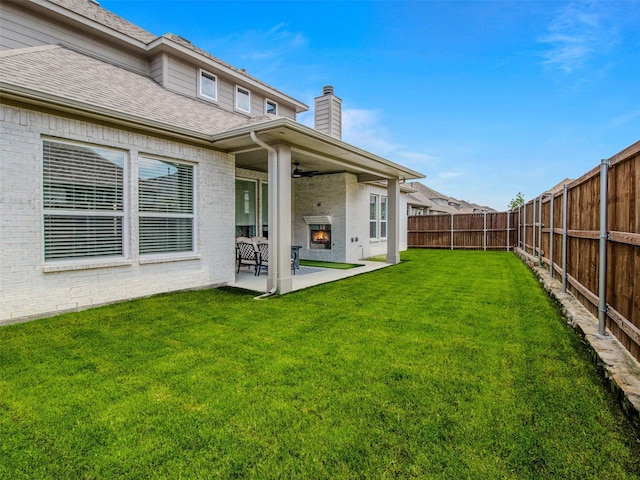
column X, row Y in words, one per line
column 320, row 236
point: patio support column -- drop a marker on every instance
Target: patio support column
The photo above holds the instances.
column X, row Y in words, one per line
column 283, row 205
column 393, row 221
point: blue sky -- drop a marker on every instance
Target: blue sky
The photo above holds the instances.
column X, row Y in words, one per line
column 487, row 99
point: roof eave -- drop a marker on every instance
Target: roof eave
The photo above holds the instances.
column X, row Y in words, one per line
column 20, row 94
column 164, row 43
column 286, row 125
column 87, row 22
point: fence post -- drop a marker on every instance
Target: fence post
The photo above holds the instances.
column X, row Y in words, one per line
column 508, row 218
column 484, row 231
column 540, row 230
column 452, row 231
column 519, row 226
column 565, row 191
column 604, row 234
column 524, row 228
column 551, row 236
column 533, row 229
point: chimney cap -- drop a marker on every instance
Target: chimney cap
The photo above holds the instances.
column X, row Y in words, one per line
column 327, row 90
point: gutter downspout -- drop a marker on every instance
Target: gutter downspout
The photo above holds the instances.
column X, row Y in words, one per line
column 273, row 222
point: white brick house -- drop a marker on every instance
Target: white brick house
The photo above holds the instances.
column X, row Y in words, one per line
column 130, row 162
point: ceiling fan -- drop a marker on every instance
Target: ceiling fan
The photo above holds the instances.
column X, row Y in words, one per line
column 297, row 173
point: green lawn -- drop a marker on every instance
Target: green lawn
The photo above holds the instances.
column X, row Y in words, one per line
column 449, row 365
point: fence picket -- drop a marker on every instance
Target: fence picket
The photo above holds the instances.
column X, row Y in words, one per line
column 587, row 234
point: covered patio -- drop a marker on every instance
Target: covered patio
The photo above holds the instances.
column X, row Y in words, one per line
column 277, row 148
column 305, row 277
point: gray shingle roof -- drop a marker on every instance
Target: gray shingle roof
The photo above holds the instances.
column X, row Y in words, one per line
column 61, row 72
column 427, row 196
column 100, row 15
column 92, row 11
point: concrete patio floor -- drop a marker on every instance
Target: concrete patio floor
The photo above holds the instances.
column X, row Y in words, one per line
column 305, row 277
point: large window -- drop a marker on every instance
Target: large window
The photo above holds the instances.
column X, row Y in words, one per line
column 208, row 85
column 165, row 203
column 246, row 208
column 243, row 99
column 83, row 201
column 377, row 217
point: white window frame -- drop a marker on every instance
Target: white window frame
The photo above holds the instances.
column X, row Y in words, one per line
column 257, row 191
column 379, row 221
column 384, row 200
column 373, row 220
column 203, row 73
column 169, row 215
column 240, row 90
column 268, row 102
column 60, row 263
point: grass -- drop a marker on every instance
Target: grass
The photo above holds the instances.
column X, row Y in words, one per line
column 338, row 265
column 449, row 365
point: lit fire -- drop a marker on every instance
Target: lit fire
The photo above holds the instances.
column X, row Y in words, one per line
column 321, row 236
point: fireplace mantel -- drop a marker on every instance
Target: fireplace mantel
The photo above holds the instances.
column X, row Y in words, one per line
column 317, row 219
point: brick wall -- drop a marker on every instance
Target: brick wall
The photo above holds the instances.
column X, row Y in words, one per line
column 347, row 202
column 30, row 287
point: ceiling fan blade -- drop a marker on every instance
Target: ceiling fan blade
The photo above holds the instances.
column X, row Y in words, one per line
column 298, row 172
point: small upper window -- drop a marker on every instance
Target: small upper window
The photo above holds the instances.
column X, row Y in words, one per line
column 243, row 99
column 271, row 107
column 208, row 85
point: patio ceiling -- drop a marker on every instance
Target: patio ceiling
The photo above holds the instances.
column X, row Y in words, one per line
column 312, row 149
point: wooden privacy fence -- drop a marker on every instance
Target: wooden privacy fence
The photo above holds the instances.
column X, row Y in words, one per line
column 479, row 231
column 587, row 234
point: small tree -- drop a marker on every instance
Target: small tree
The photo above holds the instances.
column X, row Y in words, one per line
column 516, row 202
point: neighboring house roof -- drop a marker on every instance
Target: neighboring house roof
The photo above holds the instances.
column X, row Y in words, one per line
column 559, row 187
column 438, row 203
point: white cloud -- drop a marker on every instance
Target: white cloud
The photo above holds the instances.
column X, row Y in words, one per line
column 279, row 39
column 624, row 119
column 575, row 36
column 450, row 174
column 260, row 46
column 363, row 128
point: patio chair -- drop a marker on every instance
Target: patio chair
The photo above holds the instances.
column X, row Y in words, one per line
column 263, row 248
column 247, row 254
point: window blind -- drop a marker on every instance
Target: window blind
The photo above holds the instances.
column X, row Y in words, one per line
column 82, row 200
column 71, row 236
column 165, row 202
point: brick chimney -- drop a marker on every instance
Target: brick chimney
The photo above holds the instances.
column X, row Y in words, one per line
column 328, row 113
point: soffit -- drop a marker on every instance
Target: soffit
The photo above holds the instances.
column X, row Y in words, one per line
column 314, row 150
